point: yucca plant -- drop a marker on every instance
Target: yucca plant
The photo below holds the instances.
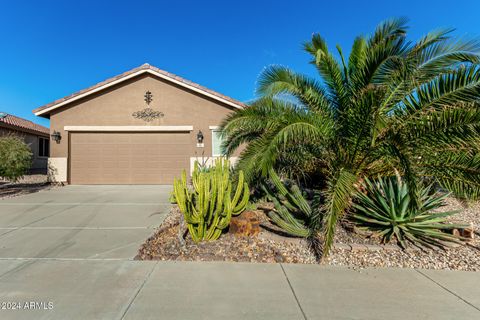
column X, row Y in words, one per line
column 392, row 105
column 385, row 209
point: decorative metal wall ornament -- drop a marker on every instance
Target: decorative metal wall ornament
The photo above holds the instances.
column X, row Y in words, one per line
column 148, row 97
column 148, row 114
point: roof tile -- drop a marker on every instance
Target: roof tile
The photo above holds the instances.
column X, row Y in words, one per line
column 145, row 66
column 21, row 123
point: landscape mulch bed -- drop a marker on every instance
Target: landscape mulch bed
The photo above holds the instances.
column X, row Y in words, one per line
column 271, row 247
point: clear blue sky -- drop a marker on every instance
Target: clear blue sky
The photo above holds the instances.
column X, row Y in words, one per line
column 49, row 49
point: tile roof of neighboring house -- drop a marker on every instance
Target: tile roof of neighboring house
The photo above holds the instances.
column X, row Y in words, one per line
column 139, row 70
column 22, row 124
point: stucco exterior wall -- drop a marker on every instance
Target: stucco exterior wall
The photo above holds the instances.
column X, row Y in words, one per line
column 115, row 106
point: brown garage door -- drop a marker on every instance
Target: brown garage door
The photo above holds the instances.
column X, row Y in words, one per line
column 127, row 158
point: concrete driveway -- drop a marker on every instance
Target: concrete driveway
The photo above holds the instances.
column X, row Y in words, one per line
column 84, row 222
column 67, row 254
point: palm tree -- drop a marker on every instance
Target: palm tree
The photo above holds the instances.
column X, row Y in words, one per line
column 393, row 107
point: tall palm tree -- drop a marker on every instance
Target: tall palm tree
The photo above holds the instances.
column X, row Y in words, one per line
column 392, row 107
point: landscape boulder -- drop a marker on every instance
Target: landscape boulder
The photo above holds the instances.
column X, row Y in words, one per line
column 246, row 224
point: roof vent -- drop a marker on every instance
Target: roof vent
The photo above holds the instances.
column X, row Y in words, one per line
column 2, row 115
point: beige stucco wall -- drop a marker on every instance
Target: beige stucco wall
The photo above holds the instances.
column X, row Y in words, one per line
column 39, row 164
column 114, row 107
column 57, row 169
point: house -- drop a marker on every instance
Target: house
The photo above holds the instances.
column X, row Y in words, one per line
column 35, row 135
column 141, row 127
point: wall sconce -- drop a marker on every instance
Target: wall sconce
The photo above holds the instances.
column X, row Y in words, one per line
column 56, row 136
column 199, row 137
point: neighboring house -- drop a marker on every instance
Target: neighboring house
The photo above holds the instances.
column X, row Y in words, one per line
column 35, row 135
column 142, row 127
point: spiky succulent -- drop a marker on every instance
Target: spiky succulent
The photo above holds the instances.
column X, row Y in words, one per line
column 292, row 213
column 385, row 208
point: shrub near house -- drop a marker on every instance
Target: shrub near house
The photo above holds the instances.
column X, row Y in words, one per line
column 15, row 157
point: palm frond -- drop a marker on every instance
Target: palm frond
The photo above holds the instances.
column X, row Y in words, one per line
column 388, row 30
column 338, row 196
column 329, row 69
column 460, row 85
column 277, row 80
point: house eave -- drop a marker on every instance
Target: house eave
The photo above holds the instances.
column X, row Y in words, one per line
column 45, row 112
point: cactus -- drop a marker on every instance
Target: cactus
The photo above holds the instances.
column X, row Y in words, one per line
column 207, row 205
column 171, row 198
column 292, row 212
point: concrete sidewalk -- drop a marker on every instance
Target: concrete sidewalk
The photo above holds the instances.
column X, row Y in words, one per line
column 113, row 289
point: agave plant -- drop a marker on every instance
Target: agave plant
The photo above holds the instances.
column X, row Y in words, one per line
column 384, row 208
column 393, row 105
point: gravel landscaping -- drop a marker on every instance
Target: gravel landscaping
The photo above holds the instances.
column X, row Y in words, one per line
column 165, row 245
column 458, row 258
column 351, row 249
column 25, row 185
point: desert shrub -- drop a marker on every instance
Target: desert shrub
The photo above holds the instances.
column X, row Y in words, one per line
column 385, row 209
column 208, row 205
column 15, row 157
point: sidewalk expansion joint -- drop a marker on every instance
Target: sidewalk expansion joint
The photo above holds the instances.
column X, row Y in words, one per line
column 293, row 292
column 448, row 290
column 138, row 291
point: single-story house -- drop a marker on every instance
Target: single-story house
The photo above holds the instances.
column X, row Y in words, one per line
column 35, row 135
column 141, row 127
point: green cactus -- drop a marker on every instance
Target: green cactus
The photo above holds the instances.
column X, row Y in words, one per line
column 207, row 205
column 292, row 212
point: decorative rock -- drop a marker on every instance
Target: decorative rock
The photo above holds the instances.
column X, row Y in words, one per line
column 246, row 224
column 373, row 247
column 390, row 247
column 358, row 247
column 164, row 245
column 468, row 233
column 279, row 257
column 342, row 246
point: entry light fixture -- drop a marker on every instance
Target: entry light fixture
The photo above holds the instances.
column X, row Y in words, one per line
column 56, row 136
column 199, row 137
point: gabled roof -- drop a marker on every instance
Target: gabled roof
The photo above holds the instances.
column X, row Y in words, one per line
column 21, row 124
column 145, row 68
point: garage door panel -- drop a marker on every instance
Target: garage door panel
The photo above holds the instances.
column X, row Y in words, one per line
column 127, row 158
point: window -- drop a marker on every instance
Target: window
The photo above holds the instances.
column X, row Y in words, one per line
column 217, row 143
column 43, row 147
